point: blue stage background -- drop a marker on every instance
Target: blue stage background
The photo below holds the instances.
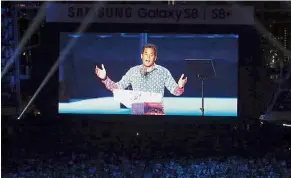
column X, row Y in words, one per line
column 120, row 51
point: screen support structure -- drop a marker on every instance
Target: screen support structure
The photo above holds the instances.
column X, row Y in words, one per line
column 203, row 69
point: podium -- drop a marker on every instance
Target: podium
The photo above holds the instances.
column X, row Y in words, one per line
column 202, row 69
column 139, row 102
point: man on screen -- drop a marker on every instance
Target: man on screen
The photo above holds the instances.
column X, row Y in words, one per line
column 148, row 77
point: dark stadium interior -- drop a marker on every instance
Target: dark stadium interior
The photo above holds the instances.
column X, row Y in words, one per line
column 43, row 143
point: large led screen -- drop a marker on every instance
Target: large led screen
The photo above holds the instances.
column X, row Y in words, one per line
column 149, row 74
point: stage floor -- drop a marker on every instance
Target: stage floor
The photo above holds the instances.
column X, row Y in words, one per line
column 173, row 106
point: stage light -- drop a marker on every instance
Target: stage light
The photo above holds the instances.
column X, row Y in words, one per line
column 273, row 59
column 36, row 112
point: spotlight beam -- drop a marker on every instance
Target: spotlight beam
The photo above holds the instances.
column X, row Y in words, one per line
column 83, row 26
column 264, row 32
column 29, row 32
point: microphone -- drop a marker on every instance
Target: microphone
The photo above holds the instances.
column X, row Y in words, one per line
column 144, row 72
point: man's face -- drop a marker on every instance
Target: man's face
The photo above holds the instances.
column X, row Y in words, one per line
column 148, row 57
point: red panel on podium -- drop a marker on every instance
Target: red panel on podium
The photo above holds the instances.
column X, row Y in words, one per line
column 148, row 109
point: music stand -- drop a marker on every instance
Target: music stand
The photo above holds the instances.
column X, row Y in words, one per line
column 203, row 69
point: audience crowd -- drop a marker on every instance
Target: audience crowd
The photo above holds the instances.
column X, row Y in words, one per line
column 198, row 151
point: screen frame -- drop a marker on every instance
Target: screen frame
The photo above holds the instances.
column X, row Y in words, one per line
column 66, row 37
column 243, row 31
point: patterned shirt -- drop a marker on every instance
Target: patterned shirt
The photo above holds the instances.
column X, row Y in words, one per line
column 154, row 81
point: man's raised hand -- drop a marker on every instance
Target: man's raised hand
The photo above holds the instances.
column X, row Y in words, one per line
column 182, row 81
column 101, row 73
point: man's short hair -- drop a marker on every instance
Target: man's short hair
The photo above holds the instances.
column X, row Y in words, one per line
column 150, row 46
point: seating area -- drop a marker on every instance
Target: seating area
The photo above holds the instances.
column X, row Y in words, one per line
column 83, row 165
column 81, row 149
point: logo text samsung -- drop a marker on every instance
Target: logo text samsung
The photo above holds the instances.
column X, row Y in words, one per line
column 143, row 13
